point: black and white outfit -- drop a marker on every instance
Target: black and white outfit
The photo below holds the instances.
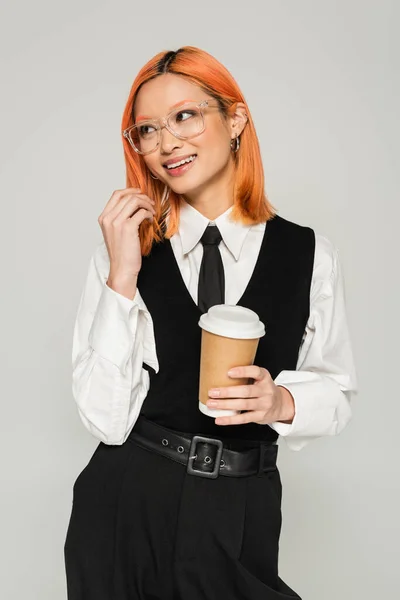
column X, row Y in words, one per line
column 143, row 524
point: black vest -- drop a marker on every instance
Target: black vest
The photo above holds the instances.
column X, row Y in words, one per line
column 278, row 291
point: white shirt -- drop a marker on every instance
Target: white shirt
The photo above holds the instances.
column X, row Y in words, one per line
column 114, row 335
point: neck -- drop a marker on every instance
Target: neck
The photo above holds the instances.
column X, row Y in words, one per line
column 215, row 197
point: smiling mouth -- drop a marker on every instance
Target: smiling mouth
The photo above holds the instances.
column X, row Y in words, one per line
column 180, row 165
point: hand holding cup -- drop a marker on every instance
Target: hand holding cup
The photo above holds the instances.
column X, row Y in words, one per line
column 263, row 401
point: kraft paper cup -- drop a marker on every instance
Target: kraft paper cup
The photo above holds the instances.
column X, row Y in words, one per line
column 229, row 338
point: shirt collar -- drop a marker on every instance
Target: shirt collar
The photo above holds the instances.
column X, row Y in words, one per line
column 192, row 225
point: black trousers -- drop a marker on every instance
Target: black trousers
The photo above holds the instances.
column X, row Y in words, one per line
column 141, row 528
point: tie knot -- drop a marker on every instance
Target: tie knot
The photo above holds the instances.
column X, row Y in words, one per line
column 211, row 236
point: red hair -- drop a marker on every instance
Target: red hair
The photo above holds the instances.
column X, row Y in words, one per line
column 250, row 203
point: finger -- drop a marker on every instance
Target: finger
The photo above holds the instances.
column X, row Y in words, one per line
column 127, row 207
column 235, row 391
column 252, row 371
column 139, row 216
column 130, row 205
column 248, row 417
column 115, row 198
column 123, row 201
column 237, row 404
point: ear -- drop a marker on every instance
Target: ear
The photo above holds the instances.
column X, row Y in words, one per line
column 238, row 118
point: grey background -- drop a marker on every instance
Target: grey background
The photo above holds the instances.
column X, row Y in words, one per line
column 322, row 82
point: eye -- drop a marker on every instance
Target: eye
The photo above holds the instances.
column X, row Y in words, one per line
column 146, row 129
column 180, row 116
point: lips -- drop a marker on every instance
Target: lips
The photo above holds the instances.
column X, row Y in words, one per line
column 178, row 159
column 181, row 169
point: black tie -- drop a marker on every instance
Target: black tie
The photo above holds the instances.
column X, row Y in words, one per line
column 211, row 288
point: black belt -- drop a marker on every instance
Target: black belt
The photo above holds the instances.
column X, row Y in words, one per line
column 204, row 456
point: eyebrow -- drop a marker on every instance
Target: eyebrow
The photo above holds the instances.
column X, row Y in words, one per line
column 143, row 117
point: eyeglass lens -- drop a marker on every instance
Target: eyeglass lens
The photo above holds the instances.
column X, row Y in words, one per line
column 184, row 122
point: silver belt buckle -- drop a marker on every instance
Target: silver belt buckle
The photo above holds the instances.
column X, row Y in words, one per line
column 211, row 474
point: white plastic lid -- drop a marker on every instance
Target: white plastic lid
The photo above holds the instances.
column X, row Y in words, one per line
column 232, row 321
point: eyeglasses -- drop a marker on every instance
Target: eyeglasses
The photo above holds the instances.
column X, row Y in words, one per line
column 185, row 122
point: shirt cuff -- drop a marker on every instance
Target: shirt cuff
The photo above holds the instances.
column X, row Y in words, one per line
column 321, row 408
column 112, row 333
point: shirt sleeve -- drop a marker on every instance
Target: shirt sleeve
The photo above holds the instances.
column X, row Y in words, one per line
column 113, row 336
column 324, row 380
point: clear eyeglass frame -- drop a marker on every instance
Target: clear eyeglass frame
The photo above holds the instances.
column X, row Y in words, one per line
column 165, row 123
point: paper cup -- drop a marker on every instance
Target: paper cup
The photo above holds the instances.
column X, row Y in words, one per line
column 230, row 337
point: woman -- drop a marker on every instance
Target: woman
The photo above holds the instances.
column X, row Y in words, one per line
column 157, row 513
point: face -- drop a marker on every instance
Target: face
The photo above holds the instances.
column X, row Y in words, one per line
column 213, row 155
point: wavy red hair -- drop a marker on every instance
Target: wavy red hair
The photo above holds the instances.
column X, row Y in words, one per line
column 250, row 203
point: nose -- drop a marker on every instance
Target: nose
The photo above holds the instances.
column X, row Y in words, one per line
column 168, row 142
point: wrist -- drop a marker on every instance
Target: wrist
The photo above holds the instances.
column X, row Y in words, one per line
column 126, row 286
column 122, row 276
column 288, row 409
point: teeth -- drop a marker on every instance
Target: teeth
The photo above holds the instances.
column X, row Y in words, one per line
column 182, row 162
